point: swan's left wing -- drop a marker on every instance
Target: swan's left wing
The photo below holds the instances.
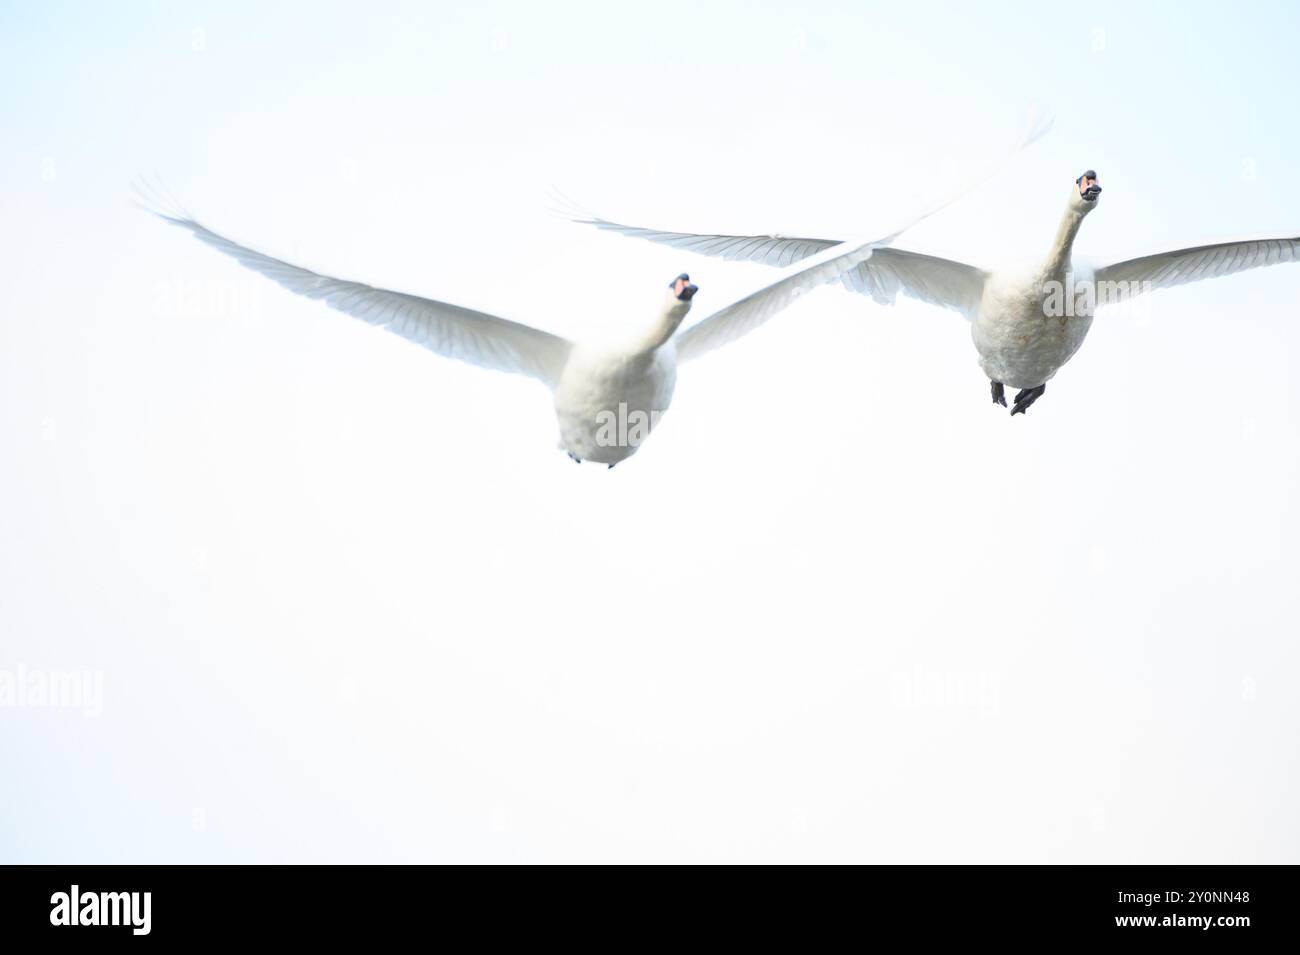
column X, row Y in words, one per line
column 741, row 317
column 1132, row 277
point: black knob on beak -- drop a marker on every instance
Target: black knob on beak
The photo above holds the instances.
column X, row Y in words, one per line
column 686, row 293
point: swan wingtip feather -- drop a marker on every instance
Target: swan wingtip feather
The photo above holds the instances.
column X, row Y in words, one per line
column 153, row 196
column 1041, row 120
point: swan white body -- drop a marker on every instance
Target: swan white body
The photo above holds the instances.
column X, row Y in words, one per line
column 1022, row 341
column 606, row 389
column 1019, row 341
column 1017, row 345
column 607, row 397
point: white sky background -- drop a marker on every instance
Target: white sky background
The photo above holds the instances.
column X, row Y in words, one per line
column 350, row 602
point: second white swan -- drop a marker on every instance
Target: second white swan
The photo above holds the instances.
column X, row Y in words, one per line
column 1026, row 322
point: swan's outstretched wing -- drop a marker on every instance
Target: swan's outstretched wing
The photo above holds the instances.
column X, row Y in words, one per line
column 449, row 330
column 778, row 250
column 1132, row 277
column 928, row 278
column 741, row 317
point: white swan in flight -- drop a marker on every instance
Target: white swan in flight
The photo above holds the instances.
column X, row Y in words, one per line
column 1027, row 322
column 608, row 397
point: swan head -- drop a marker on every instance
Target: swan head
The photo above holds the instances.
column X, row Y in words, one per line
column 1086, row 191
column 676, row 303
column 682, row 288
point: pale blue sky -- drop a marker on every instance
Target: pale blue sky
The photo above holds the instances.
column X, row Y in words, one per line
column 350, row 602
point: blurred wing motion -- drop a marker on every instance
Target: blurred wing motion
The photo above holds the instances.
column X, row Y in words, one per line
column 883, row 275
column 1180, row 266
column 742, row 317
column 449, row 330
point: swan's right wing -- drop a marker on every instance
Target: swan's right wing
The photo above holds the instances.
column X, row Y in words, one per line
column 930, row 279
column 741, row 317
column 449, row 330
column 889, row 271
column 927, row 278
column 778, row 250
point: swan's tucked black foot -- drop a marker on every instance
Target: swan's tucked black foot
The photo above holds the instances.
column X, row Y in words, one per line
column 611, row 467
column 1026, row 398
column 999, row 393
column 576, row 459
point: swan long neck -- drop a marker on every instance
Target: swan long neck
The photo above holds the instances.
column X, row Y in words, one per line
column 666, row 323
column 1058, row 258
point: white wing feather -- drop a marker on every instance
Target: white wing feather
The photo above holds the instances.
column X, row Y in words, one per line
column 743, row 316
column 778, row 250
column 930, row 279
column 883, row 275
column 449, row 330
column 927, row 278
column 1205, row 261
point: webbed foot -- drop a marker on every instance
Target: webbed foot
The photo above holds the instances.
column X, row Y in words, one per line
column 1026, row 398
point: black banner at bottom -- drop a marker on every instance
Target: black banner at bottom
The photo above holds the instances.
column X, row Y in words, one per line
column 1224, row 905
